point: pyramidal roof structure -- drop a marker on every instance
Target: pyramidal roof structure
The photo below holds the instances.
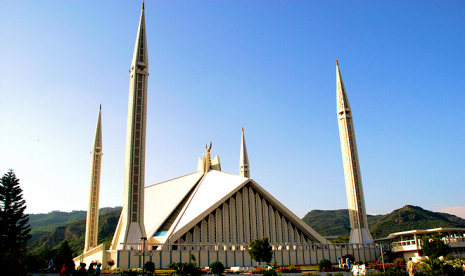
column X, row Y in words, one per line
column 211, row 207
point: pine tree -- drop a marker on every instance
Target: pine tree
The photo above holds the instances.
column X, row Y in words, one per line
column 14, row 226
column 64, row 256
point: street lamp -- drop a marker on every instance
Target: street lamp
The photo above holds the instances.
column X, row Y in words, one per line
column 143, row 239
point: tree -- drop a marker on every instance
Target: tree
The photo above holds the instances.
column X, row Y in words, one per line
column 44, row 257
column 14, row 226
column 217, row 268
column 185, row 269
column 325, row 265
column 260, row 250
column 150, row 267
column 64, row 256
column 192, row 258
column 434, row 246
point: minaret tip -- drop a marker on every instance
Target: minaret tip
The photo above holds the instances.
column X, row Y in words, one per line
column 337, row 63
column 242, row 129
column 143, row 4
column 207, row 147
column 100, row 106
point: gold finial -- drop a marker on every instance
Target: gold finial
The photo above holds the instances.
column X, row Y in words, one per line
column 208, row 148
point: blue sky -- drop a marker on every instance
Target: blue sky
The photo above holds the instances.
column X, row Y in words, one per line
column 217, row 66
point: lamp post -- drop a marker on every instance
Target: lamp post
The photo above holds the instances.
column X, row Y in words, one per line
column 143, row 239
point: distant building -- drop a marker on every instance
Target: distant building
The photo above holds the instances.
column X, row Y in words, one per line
column 409, row 242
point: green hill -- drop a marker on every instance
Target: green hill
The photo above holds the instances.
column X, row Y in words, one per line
column 73, row 232
column 46, row 222
column 413, row 217
column 49, row 230
column 336, row 222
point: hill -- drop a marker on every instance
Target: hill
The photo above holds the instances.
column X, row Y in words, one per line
column 336, row 222
column 49, row 230
column 413, row 217
column 63, row 227
column 42, row 224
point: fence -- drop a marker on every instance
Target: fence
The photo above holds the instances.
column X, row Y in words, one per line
column 236, row 255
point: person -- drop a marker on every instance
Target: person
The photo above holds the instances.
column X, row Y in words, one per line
column 355, row 269
column 410, row 267
column 50, row 264
column 339, row 262
column 91, row 269
column 64, row 270
column 363, row 269
column 82, row 269
column 97, row 270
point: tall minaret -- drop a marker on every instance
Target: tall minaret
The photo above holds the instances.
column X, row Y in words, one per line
column 94, row 188
column 359, row 232
column 131, row 225
column 244, row 161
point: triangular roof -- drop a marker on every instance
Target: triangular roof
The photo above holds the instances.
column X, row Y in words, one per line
column 162, row 199
column 212, row 190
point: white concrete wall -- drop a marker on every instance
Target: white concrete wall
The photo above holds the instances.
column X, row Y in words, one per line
column 295, row 254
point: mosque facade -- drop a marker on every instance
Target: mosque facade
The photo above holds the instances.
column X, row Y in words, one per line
column 209, row 213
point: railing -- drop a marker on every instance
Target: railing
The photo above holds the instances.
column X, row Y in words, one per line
column 453, row 239
column 415, row 244
column 241, row 247
column 406, row 243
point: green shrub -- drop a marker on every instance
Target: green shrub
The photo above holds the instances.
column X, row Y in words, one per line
column 275, row 265
column 325, row 265
column 338, row 274
column 259, row 271
column 129, row 272
column 270, row 272
column 395, row 271
column 150, row 267
column 185, row 269
column 217, row 268
column 399, row 261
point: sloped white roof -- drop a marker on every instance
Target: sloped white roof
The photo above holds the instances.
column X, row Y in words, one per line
column 213, row 190
column 162, row 198
column 216, row 187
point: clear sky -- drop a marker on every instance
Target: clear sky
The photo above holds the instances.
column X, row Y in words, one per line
column 217, row 66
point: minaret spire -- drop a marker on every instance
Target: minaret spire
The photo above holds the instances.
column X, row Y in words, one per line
column 360, row 232
column 208, row 158
column 244, row 159
column 94, row 188
column 131, row 224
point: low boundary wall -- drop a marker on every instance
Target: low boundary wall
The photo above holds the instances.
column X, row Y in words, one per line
column 285, row 255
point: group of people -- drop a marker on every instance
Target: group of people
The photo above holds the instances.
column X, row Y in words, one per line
column 359, row 269
column 356, row 269
column 65, row 270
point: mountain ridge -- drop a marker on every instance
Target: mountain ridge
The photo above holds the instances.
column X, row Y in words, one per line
column 71, row 225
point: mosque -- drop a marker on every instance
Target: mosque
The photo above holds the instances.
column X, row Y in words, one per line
column 210, row 213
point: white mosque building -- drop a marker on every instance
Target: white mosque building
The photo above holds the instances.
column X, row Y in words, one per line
column 210, row 213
